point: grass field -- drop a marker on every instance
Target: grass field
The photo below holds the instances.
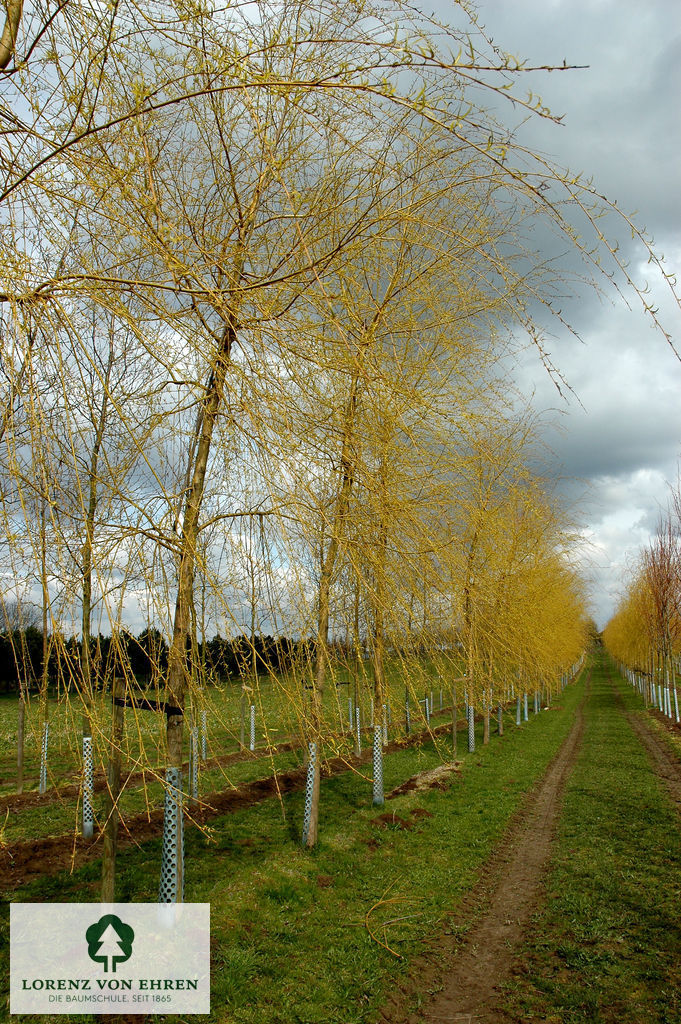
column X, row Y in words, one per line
column 291, row 930
column 280, row 703
column 278, row 718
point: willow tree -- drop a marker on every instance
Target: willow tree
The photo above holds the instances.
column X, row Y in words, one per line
column 231, row 159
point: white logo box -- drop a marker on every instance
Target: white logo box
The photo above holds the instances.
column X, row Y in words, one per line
column 109, row 958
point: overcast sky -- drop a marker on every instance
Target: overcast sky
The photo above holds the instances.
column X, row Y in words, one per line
column 621, row 126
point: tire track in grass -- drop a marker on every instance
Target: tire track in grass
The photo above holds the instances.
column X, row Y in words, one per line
column 518, row 866
column 605, row 945
column 664, row 761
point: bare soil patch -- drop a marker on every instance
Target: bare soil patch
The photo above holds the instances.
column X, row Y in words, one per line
column 435, row 778
column 501, row 905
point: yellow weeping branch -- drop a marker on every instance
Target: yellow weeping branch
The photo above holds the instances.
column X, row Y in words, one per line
column 257, row 320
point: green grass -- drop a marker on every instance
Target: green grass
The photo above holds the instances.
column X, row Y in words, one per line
column 279, row 702
column 288, row 933
column 607, row 945
column 277, row 719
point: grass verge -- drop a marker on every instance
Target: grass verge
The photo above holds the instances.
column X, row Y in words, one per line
column 606, row 947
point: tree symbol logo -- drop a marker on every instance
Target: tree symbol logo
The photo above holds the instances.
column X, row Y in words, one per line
column 109, row 941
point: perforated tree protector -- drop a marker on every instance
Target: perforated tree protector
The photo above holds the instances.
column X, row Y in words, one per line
column 88, row 816
column 195, row 762
column 252, row 726
column 378, row 798
column 471, row 729
column 309, row 787
column 358, row 726
column 43, row 759
column 203, row 735
column 172, row 863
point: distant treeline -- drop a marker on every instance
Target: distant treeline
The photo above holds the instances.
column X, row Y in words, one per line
column 144, row 656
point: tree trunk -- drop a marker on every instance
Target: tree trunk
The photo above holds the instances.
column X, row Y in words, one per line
column 356, row 641
column 10, row 30
column 21, row 722
column 44, row 701
column 111, row 812
column 454, row 721
column 86, row 613
column 327, row 572
column 172, row 870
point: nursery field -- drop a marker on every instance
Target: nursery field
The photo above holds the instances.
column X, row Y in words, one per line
column 554, row 850
column 279, row 705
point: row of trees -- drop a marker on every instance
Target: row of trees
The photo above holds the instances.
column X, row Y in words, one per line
column 645, row 632
column 143, row 659
column 262, row 268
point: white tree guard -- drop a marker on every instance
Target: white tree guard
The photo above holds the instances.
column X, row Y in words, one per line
column 88, row 788
column 471, row 729
column 378, row 798
column 252, row 745
column 43, row 759
column 195, row 762
column 309, row 788
column 171, row 887
column 203, row 735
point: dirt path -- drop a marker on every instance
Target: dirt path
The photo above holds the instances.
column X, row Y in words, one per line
column 22, row 862
column 509, row 893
